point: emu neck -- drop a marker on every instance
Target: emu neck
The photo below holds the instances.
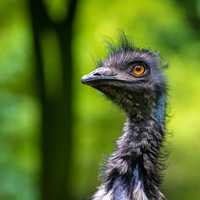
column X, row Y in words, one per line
column 133, row 170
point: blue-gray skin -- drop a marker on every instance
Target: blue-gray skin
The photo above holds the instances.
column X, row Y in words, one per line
column 133, row 171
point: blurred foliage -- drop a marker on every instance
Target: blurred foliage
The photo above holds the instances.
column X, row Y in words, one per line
column 161, row 25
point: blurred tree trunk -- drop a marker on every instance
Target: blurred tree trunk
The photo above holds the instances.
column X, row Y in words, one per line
column 56, row 138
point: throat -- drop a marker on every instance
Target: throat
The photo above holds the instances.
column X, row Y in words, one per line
column 134, row 167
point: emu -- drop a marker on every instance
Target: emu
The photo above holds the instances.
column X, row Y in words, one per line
column 133, row 79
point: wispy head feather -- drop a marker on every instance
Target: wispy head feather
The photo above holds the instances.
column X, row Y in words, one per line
column 123, row 44
column 124, row 48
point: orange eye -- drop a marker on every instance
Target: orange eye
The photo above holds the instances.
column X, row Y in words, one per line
column 138, row 70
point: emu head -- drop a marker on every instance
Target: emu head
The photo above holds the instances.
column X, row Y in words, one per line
column 130, row 77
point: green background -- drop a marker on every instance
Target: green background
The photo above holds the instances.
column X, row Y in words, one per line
column 160, row 25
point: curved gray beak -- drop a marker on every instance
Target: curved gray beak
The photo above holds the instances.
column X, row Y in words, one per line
column 101, row 73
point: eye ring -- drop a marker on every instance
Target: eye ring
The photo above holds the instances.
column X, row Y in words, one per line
column 138, row 70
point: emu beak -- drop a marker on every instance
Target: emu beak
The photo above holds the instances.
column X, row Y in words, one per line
column 98, row 75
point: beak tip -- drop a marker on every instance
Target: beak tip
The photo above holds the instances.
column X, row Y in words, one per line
column 84, row 79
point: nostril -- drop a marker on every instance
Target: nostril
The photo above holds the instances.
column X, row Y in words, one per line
column 97, row 74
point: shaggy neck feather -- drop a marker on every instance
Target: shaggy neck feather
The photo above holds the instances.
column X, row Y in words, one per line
column 133, row 170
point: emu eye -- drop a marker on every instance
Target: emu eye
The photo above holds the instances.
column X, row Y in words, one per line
column 138, row 70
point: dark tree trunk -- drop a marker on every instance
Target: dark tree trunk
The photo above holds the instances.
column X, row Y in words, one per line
column 56, row 138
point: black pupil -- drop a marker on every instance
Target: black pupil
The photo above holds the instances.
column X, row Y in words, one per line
column 138, row 68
